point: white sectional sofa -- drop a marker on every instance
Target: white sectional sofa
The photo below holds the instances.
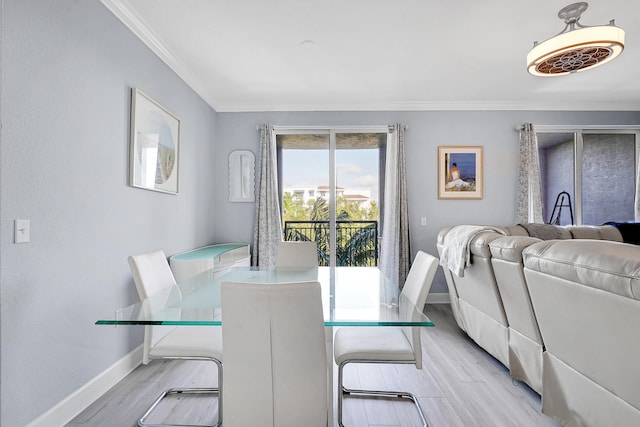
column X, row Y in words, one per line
column 491, row 301
column 475, row 300
column 525, row 342
column 586, row 300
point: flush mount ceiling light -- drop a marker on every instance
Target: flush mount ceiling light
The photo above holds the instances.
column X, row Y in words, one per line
column 577, row 47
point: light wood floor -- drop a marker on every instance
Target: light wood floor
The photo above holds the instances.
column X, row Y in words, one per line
column 460, row 385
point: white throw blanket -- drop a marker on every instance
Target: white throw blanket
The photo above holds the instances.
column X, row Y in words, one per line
column 456, row 252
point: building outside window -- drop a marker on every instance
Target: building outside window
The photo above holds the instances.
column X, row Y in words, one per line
column 588, row 176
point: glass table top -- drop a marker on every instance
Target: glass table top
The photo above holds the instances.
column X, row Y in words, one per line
column 351, row 296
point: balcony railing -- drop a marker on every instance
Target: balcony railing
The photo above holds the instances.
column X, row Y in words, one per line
column 356, row 241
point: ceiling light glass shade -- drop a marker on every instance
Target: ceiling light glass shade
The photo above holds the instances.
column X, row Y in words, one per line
column 576, row 51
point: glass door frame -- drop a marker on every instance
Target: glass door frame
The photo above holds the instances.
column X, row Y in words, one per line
column 578, row 145
column 331, row 131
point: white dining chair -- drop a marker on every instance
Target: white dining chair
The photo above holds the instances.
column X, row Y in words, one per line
column 297, row 254
column 152, row 276
column 275, row 355
column 387, row 344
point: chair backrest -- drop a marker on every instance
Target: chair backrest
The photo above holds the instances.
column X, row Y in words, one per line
column 151, row 274
column 297, row 254
column 275, row 360
column 415, row 291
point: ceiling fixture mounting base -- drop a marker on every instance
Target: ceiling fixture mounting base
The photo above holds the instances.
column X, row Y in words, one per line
column 572, row 12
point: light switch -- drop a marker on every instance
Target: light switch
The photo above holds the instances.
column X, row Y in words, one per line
column 423, row 220
column 21, row 231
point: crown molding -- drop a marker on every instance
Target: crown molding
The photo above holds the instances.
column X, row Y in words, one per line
column 127, row 15
column 444, row 105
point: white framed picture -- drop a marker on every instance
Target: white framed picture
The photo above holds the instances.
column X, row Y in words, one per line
column 154, row 145
column 460, row 172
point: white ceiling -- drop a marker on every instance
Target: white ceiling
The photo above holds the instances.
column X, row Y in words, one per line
column 250, row 55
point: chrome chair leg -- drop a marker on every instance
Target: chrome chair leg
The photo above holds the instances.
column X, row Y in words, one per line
column 192, row 391
column 373, row 393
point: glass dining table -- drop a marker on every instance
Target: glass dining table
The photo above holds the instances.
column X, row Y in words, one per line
column 351, row 296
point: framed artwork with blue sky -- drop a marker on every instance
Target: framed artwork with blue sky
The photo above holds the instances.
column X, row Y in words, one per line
column 460, row 172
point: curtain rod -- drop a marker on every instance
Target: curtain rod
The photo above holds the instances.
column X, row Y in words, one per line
column 378, row 128
column 566, row 128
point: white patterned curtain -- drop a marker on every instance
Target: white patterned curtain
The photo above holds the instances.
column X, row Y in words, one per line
column 268, row 222
column 529, row 199
column 395, row 253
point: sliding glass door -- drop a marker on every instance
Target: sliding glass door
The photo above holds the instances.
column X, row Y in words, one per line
column 330, row 187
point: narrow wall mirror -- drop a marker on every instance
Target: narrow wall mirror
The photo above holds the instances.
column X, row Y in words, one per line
column 241, row 176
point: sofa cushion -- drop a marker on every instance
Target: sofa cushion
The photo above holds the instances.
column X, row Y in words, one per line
column 600, row 264
column 546, row 231
column 515, row 230
column 597, row 232
column 510, row 248
column 479, row 245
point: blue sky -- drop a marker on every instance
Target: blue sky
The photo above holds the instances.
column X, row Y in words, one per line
column 354, row 168
column 466, row 162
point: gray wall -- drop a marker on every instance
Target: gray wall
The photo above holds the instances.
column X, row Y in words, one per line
column 68, row 67
column 494, row 130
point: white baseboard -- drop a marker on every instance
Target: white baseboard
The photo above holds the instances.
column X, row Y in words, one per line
column 76, row 402
column 438, row 298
